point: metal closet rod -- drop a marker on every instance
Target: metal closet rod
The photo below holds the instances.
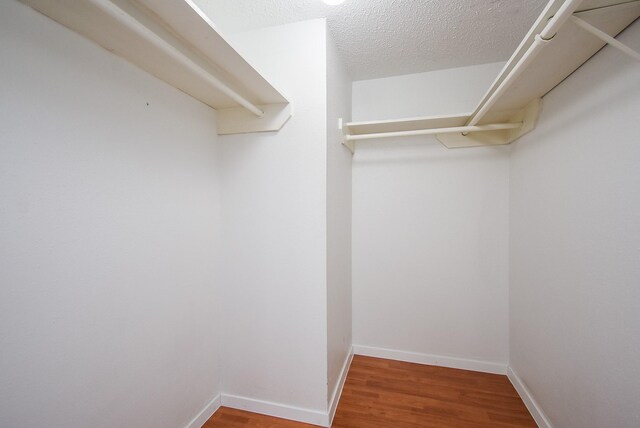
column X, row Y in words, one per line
column 566, row 10
column 128, row 21
column 449, row 130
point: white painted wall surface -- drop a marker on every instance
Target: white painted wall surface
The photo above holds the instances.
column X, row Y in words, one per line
column 430, row 227
column 109, row 233
column 339, row 321
column 275, row 232
column 435, row 93
column 575, row 247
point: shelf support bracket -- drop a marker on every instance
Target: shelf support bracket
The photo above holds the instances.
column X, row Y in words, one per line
column 345, row 137
column 527, row 118
column 239, row 120
column 605, row 37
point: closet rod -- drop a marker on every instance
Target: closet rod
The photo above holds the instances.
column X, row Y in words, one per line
column 605, row 37
column 132, row 24
column 545, row 36
column 453, row 129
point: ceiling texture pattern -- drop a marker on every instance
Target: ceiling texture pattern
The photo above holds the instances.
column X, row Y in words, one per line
column 380, row 38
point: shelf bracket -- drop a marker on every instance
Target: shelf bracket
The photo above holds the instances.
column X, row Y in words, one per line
column 238, row 120
column 605, row 37
column 527, row 117
column 345, row 137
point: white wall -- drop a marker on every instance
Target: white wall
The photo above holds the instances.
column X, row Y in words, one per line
column 339, row 336
column 109, row 233
column 575, row 247
column 430, row 245
column 275, row 233
column 451, row 91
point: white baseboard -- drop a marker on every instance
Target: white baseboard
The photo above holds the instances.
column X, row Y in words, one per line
column 204, row 415
column 337, row 392
column 277, row 410
column 322, row 419
column 432, row 360
column 534, row 408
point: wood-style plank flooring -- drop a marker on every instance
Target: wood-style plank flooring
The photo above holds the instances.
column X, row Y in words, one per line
column 382, row 393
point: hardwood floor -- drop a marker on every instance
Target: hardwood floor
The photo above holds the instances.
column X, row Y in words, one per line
column 382, row 393
column 232, row 418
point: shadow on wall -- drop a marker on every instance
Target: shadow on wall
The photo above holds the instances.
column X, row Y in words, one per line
column 598, row 90
column 416, row 150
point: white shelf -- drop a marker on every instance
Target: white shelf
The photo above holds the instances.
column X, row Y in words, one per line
column 447, row 128
column 174, row 41
column 411, row 124
column 568, row 50
column 515, row 95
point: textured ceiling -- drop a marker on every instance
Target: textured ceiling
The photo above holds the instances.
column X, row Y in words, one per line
column 379, row 38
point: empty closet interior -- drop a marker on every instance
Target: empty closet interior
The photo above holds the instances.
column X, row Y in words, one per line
column 213, row 203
